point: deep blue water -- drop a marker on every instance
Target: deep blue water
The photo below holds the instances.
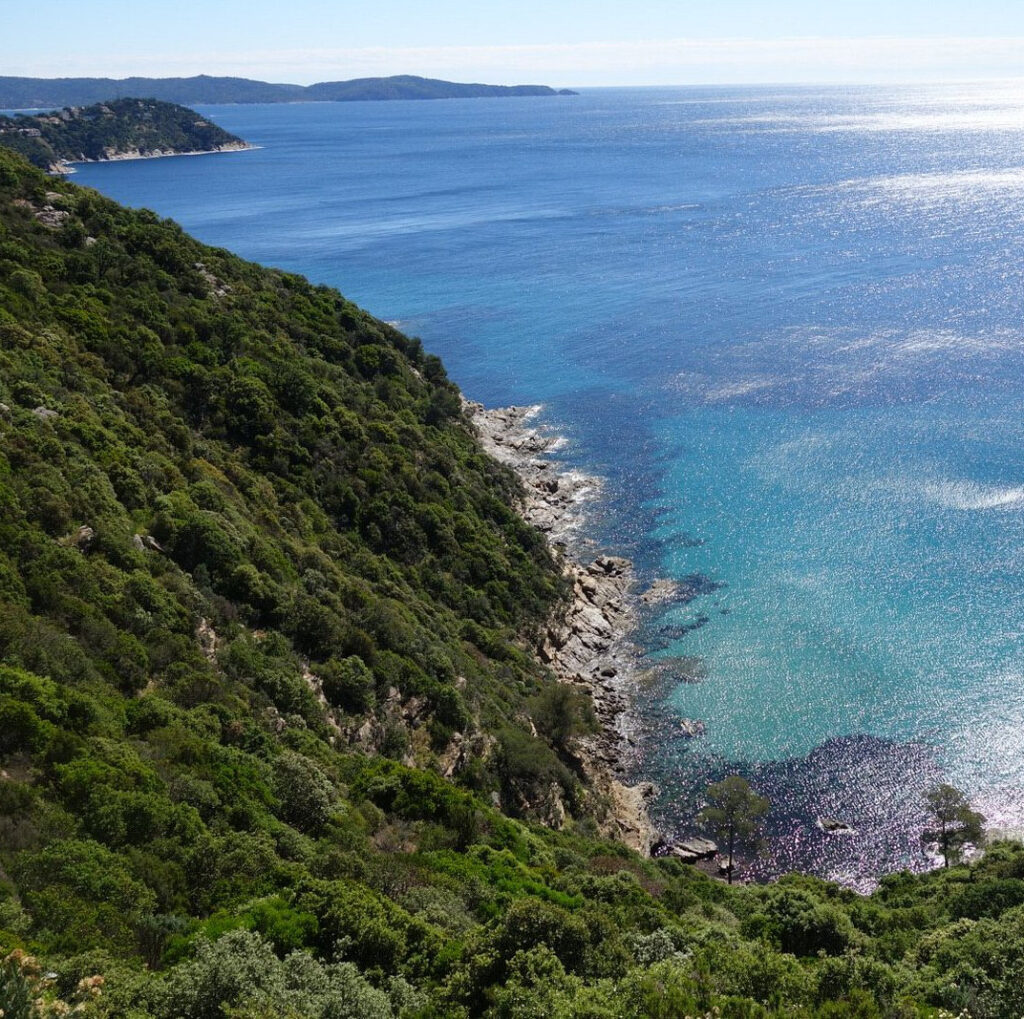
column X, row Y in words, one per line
column 787, row 325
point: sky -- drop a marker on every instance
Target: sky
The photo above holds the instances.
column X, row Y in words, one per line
column 590, row 42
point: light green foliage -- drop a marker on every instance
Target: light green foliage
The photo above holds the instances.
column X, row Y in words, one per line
column 15, row 991
column 241, row 971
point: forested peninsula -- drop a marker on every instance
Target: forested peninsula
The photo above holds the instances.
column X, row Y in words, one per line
column 118, row 129
column 38, row 93
column 275, row 739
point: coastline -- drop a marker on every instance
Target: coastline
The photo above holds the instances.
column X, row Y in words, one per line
column 67, row 167
column 587, row 642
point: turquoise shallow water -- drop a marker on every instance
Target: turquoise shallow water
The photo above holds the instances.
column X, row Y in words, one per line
column 786, row 325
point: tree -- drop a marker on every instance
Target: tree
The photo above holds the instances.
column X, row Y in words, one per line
column 733, row 812
column 306, row 794
column 560, row 712
column 958, row 823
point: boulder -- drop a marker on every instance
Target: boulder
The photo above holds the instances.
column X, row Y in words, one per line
column 702, row 848
column 83, row 538
column 609, row 566
column 688, row 850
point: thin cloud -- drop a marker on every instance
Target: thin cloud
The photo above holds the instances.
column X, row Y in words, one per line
column 671, row 61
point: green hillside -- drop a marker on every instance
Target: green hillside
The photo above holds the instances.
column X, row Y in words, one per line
column 110, row 130
column 17, row 93
column 262, row 592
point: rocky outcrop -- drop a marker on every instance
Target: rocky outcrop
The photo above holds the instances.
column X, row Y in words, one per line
column 691, row 728
column 587, row 642
column 688, row 850
column 83, row 538
column 552, row 495
column 208, row 639
column 217, row 287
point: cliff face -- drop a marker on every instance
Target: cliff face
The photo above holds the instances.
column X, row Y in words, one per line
column 119, row 129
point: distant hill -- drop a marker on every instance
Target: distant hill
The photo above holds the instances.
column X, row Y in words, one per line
column 119, row 129
column 407, row 86
column 46, row 93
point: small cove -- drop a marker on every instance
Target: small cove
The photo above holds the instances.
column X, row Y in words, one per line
column 787, row 328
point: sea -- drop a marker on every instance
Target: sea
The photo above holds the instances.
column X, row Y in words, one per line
column 786, row 326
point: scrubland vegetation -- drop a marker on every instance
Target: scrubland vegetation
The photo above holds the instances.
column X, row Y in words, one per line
column 267, row 704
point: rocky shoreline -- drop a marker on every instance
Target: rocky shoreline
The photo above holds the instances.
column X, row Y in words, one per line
column 65, row 167
column 587, row 643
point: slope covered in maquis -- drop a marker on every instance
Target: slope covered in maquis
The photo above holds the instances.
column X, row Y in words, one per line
column 261, row 592
column 46, row 93
column 111, row 130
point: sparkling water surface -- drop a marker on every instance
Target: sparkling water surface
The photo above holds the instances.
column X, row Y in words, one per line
column 787, row 325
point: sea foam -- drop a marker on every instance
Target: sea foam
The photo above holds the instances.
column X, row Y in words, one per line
column 969, row 495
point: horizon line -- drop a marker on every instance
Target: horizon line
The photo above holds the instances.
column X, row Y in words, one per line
column 811, row 59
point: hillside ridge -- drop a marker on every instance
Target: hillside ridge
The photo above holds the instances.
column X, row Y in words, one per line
column 40, row 93
column 118, row 129
column 273, row 737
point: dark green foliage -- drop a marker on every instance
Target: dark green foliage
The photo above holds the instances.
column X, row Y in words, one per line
column 83, row 896
column 306, row 795
column 561, row 712
column 733, row 813
column 34, row 93
column 796, row 921
column 100, row 131
column 528, row 769
column 957, row 823
column 248, row 547
column 348, row 684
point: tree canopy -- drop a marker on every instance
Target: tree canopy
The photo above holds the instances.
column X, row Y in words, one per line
column 109, row 129
column 733, row 813
column 958, row 824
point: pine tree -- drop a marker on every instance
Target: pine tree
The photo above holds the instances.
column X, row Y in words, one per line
column 734, row 812
column 958, row 823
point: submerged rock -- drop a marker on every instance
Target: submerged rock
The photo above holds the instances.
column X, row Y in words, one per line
column 660, row 591
column 833, row 826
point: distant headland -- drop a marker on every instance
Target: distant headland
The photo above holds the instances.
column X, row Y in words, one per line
column 46, row 93
column 117, row 129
